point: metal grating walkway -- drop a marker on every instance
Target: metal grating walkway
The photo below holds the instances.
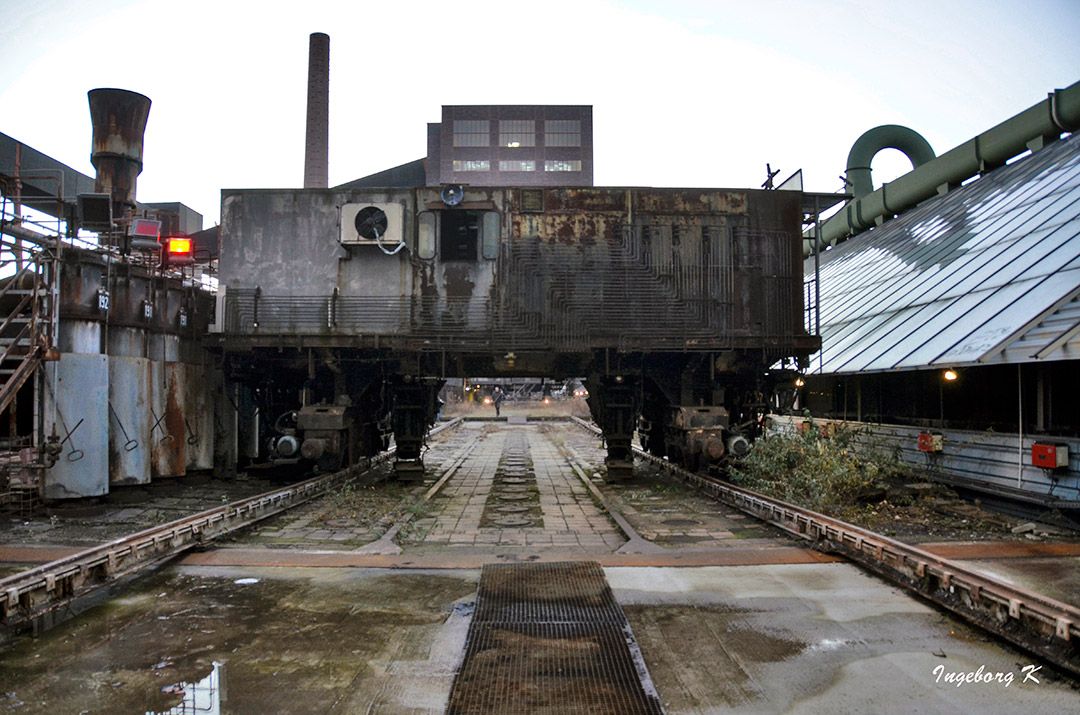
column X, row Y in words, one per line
column 550, row 638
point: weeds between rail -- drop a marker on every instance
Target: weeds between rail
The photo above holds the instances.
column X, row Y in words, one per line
column 816, row 468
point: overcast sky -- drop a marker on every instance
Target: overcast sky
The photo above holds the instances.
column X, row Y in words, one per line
column 684, row 92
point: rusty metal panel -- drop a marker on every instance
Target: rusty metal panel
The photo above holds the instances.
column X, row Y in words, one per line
column 82, row 275
column 129, row 431
column 127, row 342
column 168, row 435
column 690, row 201
column 198, row 416
column 77, row 399
column 164, row 348
column 631, row 269
column 79, row 336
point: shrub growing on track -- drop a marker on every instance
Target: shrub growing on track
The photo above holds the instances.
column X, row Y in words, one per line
column 817, row 467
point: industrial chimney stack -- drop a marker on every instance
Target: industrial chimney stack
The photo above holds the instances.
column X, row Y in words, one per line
column 119, row 121
column 316, row 150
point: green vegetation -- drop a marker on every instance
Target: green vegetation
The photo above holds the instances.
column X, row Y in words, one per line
column 819, row 466
column 419, row 507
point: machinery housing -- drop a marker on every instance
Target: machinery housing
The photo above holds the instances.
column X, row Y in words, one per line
column 681, row 308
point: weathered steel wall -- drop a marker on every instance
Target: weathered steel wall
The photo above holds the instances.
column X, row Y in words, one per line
column 134, row 371
column 575, row 270
column 287, row 240
column 168, row 437
column 129, row 430
column 77, row 398
column 198, row 416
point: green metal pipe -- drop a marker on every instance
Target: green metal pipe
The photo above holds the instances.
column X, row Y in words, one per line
column 888, row 136
column 1030, row 129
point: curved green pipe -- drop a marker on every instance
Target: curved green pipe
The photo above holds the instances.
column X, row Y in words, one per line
column 1030, row 129
column 887, row 136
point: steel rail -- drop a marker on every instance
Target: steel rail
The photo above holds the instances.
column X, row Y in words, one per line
column 32, row 597
column 1031, row 620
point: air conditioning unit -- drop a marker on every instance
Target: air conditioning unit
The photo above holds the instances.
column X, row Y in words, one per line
column 365, row 224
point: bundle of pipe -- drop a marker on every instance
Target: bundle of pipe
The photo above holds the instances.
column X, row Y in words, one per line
column 1031, row 129
column 119, row 121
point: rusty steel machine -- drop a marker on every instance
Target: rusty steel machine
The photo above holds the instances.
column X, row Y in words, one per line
column 681, row 308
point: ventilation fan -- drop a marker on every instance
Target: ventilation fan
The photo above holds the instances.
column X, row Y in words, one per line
column 371, row 224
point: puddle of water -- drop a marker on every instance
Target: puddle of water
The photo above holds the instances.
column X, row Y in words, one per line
column 204, row 696
column 296, row 643
column 681, row 522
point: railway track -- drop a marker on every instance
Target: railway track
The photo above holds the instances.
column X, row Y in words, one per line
column 1035, row 622
column 1030, row 620
column 33, row 598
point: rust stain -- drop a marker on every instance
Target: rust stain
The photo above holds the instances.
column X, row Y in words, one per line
column 458, row 280
column 116, row 459
column 119, row 121
column 169, row 437
column 1000, row 549
column 604, row 200
column 174, row 423
column 681, row 201
column 576, row 228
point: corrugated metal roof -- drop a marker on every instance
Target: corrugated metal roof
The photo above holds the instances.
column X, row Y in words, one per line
column 1057, row 337
column 979, row 275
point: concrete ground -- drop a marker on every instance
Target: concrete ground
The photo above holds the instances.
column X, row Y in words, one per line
column 750, row 639
column 360, row 603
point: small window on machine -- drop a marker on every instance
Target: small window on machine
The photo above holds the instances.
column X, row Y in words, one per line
column 458, row 234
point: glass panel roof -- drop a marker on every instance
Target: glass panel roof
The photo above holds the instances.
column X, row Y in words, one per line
column 959, row 277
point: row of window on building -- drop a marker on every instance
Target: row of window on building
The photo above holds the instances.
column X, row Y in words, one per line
column 517, row 132
column 485, row 165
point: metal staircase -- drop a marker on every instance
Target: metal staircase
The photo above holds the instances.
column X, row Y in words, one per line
column 29, row 290
column 26, row 304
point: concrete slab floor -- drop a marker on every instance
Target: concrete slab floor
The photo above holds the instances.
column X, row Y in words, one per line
column 752, row 639
column 818, row 638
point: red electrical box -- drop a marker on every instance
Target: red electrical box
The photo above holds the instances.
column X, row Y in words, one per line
column 1050, row 456
column 931, row 442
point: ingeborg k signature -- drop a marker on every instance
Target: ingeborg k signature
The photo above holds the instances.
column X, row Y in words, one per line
column 982, row 675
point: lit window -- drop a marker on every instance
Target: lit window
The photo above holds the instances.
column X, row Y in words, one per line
column 563, row 165
column 562, row 132
column 517, row 166
column 473, row 165
column 517, row 132
column 471, row 132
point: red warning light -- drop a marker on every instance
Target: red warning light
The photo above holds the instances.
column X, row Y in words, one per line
column 178, row 251
column 179, row 245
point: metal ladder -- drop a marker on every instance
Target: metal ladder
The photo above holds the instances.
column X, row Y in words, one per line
column 27, row 301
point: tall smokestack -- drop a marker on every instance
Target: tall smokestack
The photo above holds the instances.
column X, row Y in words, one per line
column 316, row 150
column 119, row 121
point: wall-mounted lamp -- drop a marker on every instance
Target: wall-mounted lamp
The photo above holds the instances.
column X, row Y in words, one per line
column 799, row 382
column 950, row 375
